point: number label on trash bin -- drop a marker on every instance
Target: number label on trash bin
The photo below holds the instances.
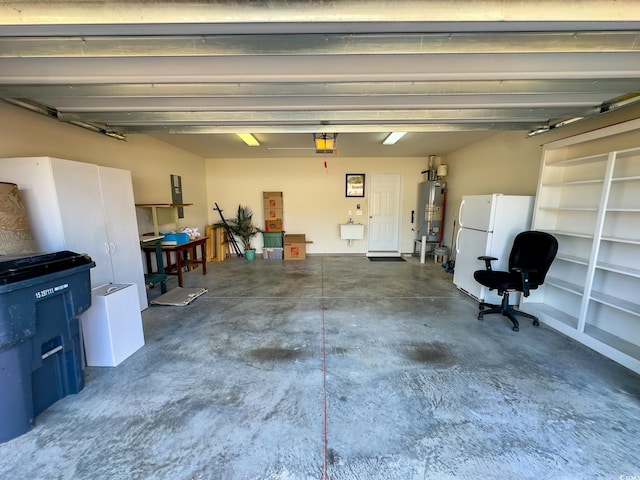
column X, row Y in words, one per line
column 50, row 291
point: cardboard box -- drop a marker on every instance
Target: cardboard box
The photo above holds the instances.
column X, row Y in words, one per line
column 273, row 225
column 295, row 247
column 272, row 200
column 273, row 214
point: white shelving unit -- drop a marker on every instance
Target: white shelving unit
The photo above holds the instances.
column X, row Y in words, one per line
column 155, row 207
column 591, row 204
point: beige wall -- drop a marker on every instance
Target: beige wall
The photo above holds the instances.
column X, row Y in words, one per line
column 24, row 134
column 505, row 163
column 314, row 197
column 315, row 202
column 509, row 162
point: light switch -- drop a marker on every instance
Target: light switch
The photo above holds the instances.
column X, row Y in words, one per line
column 358, row 212
column 349, row 212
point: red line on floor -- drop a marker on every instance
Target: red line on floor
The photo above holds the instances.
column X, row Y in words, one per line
column 325, row 422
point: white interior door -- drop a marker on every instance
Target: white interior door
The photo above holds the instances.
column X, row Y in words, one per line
column 384, row 214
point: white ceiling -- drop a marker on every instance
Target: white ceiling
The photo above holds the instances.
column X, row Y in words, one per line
column 194, row 73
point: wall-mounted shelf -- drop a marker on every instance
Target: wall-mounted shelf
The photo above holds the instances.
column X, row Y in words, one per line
column 591, row 204
column 154, row 212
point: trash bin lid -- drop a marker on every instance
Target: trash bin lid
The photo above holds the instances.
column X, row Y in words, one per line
column 16, row 268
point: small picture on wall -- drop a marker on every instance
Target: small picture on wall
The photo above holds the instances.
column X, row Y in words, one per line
column 355, row 185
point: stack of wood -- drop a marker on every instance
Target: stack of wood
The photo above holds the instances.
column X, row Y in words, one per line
column 217, row 245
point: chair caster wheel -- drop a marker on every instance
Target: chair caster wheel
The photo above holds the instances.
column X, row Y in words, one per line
column 516, row 329
column 480, row 317
column 536, row 323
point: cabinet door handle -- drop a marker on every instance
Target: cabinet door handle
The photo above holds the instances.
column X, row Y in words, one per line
column 113, row 247
column 106, row 248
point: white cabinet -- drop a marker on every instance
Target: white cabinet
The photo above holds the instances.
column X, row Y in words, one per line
column 591, row 204
column 112, row 328
column 84, row 208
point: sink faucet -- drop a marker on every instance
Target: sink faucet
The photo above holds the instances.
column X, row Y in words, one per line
column 350, row 222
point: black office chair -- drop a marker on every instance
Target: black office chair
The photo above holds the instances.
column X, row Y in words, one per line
column 531, row 256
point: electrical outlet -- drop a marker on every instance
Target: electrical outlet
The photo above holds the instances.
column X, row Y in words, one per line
column 349, row 212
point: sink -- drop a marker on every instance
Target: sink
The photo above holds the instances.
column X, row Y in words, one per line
column 352, row 231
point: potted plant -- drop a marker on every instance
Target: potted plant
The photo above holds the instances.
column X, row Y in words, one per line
column 243, row 227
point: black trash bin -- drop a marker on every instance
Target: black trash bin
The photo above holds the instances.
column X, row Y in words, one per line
column 41, row 297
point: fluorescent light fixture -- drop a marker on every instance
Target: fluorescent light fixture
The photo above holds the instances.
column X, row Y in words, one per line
column 249, row 139
column 538, row 131
column 393, row 138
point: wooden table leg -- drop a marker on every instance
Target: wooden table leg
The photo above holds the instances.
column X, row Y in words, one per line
column 203, row 249
column 148, row 257
column 179, row 267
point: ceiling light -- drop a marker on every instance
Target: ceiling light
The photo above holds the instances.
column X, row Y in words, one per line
column 325, row 142
column 249, row 139
column 393, row 138
column 538, row 131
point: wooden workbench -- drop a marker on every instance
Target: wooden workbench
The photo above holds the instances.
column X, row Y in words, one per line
column 186, row 255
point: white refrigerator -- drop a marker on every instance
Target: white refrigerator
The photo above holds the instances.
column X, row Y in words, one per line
column 488, row 226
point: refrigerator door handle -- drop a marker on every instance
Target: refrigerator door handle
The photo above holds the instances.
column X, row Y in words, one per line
column 460, row 222
column 458, row 240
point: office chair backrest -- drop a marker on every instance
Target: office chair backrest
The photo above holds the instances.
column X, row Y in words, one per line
column 534, row 250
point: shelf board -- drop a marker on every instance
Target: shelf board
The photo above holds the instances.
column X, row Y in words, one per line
column 613, row 341
column 623, row 210
column 632, row 241
column 573, row 259
column 542, row 309
column 617, row 303
column 573, row 182
column 163, row 205
column 570, row 209
column 610, row 267
column 626, row 179
column 569, row 234
column 578, row 161
column 154, row 212
column 564, row 285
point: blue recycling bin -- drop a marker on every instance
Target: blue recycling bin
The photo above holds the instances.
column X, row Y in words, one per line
column 41, row 297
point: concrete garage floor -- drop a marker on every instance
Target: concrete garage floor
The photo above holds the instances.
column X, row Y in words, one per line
column 339, row 368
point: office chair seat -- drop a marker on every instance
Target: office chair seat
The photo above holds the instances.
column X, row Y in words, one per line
column 529, row 261
column 499, row 280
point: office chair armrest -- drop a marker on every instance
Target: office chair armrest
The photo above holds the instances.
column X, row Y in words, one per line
column 524, row 273
column 487, row 261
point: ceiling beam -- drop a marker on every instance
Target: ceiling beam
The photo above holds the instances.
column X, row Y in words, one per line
column 320, row 117
column 324, row 102
column 318, row 44
column 606, row 86
column 315, row 128
column 69, row 12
